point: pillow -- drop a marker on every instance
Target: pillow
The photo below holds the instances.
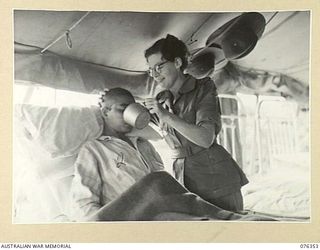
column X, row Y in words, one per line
column 60, row 131
column 46, row 143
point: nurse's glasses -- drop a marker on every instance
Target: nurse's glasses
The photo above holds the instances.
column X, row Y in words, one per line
column 156, row 69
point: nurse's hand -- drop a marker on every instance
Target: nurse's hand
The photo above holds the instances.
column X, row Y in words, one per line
column 155, row 107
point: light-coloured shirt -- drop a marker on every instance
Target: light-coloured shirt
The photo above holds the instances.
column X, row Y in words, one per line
column 107, row 167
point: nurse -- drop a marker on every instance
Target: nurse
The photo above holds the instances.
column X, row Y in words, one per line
column 188, row 114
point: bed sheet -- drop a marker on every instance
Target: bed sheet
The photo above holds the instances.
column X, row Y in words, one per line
column 284, row 190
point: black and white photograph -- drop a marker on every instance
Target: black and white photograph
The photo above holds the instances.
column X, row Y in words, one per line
column 139, row 116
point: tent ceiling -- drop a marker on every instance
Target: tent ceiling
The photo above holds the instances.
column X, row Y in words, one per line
column 119, row 39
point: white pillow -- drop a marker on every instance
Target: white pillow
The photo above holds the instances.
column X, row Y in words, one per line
column 46, row 143
column 60, row 131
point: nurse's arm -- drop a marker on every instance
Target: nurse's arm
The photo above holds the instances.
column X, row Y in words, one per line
column 202, row 135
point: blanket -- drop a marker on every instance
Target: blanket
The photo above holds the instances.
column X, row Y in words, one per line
column 158, row 196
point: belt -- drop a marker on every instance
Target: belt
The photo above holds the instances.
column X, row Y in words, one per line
column 183, row 152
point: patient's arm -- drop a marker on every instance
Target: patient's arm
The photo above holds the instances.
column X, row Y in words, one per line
column 86, row 185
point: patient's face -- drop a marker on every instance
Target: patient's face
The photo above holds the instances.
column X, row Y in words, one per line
column 114, row 116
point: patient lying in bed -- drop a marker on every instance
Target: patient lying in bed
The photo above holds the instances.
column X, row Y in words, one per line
column 109, row 165
column 119, row 177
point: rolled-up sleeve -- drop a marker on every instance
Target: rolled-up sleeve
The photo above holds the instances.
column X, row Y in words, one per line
column 208, row 108
column 86, row 186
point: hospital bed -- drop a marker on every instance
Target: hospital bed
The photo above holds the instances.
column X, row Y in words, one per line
column 275, row 162
column 281, row 183
column 46, row 146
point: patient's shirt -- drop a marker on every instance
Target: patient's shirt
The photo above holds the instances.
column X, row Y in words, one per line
column 107, row 167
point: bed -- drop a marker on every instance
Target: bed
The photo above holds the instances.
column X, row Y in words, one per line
column 46, row 146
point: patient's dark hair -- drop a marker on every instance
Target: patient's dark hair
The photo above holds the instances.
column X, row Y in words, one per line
column 170, row 48
column 111, row 94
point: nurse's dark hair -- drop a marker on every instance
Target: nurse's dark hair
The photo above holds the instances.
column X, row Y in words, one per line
column 109, row 95
column 170, row 48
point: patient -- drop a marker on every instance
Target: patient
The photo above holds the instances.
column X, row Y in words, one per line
column 119, row 177
column 108, row 166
